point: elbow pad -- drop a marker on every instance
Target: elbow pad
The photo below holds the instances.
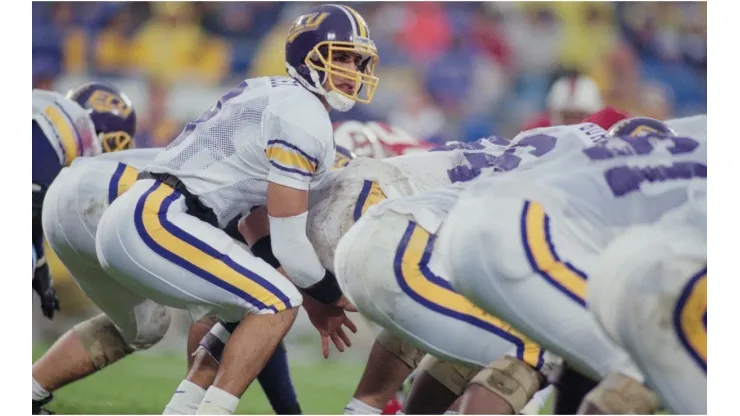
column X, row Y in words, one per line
column 294, row 251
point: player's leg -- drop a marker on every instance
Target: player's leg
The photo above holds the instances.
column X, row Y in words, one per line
column 149, row 241
column 128, row 323
column 650, row 296
column 188, row 394
column 274, row 377
column 390, row 362
column 198, row 330
column 437, row 386
column 387, row 266
column 251, row 344
column 506, row 251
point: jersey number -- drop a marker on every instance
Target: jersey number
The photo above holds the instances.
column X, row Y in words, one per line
column 215, row 109
column 541, row 144
column 625, row 179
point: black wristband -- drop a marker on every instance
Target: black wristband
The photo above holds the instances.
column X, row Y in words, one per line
column 232, row 229
column 263, row 249
column 326, row 291
column 229, row 326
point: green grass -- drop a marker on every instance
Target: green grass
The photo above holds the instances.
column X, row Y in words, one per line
column 143, row 384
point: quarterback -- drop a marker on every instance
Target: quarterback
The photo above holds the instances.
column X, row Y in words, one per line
column 265, row 143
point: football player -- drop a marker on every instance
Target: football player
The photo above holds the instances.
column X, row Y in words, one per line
column 92, row 118
column 564, row 213
column 264, row 143
column 95, row 117
column 376, row 139
column 649, row 293
column 275, row 377
column 570, row 99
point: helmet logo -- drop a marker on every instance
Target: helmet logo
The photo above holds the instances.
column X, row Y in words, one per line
column 116, row 141
column 306, row 23
column 642, row 130
column 103, row 101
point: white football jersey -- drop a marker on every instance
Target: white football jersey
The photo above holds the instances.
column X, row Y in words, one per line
column 612, row 184
column 267, row 129
column 65, row 124
column 694, row 126
column 454, row 162
column 532, row 147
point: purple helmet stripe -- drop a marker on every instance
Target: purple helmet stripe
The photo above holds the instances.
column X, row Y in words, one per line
column 350, row 16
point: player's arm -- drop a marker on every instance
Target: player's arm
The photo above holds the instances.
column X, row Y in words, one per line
column 294, row 156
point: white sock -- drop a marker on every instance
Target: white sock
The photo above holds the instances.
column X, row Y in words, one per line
column 218, row 402
column 38, row 392
column 186, row 399
column 452, row 412
column 538, row 401
column 356, row 407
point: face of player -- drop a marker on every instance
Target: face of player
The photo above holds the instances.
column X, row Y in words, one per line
column 349, row 61
column 568, row 117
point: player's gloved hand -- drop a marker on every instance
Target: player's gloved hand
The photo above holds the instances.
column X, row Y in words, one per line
column 43, row 287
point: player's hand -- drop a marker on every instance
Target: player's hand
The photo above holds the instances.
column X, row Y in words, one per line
column 43, row 287
column 49, row 302
column 345, row 304
column 328, row 320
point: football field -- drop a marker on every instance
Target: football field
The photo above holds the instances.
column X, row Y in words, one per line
column 143, row 384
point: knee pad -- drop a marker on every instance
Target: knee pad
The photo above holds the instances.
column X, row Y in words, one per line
column 451, row 375
column 619, row 394
column 102, row 340
column 152, row 323
column 406, row 352
column 512, row 380
column 214, row 341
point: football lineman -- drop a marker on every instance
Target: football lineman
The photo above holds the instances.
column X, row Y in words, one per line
column 564, row 213
column 93, row 118
column 649, row 293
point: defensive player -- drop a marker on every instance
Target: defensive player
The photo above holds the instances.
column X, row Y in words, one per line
column 92, row 118
column 376, row 139
column 571, row 99
column 649, row 292
column 265, row 143
column 564, row 213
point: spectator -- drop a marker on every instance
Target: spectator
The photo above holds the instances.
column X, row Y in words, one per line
column 172, row 47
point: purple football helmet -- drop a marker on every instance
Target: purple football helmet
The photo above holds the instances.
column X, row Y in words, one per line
column 111, row 112
column 325, row 34
column 637, row 126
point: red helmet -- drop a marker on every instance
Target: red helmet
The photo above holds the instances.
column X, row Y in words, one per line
column 375, row 139
column 572, row 98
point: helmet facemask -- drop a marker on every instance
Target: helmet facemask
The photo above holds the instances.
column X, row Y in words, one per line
column 321, row 66
column 116, row 141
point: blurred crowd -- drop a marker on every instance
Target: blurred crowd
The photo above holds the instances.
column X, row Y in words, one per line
column 448, row 71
